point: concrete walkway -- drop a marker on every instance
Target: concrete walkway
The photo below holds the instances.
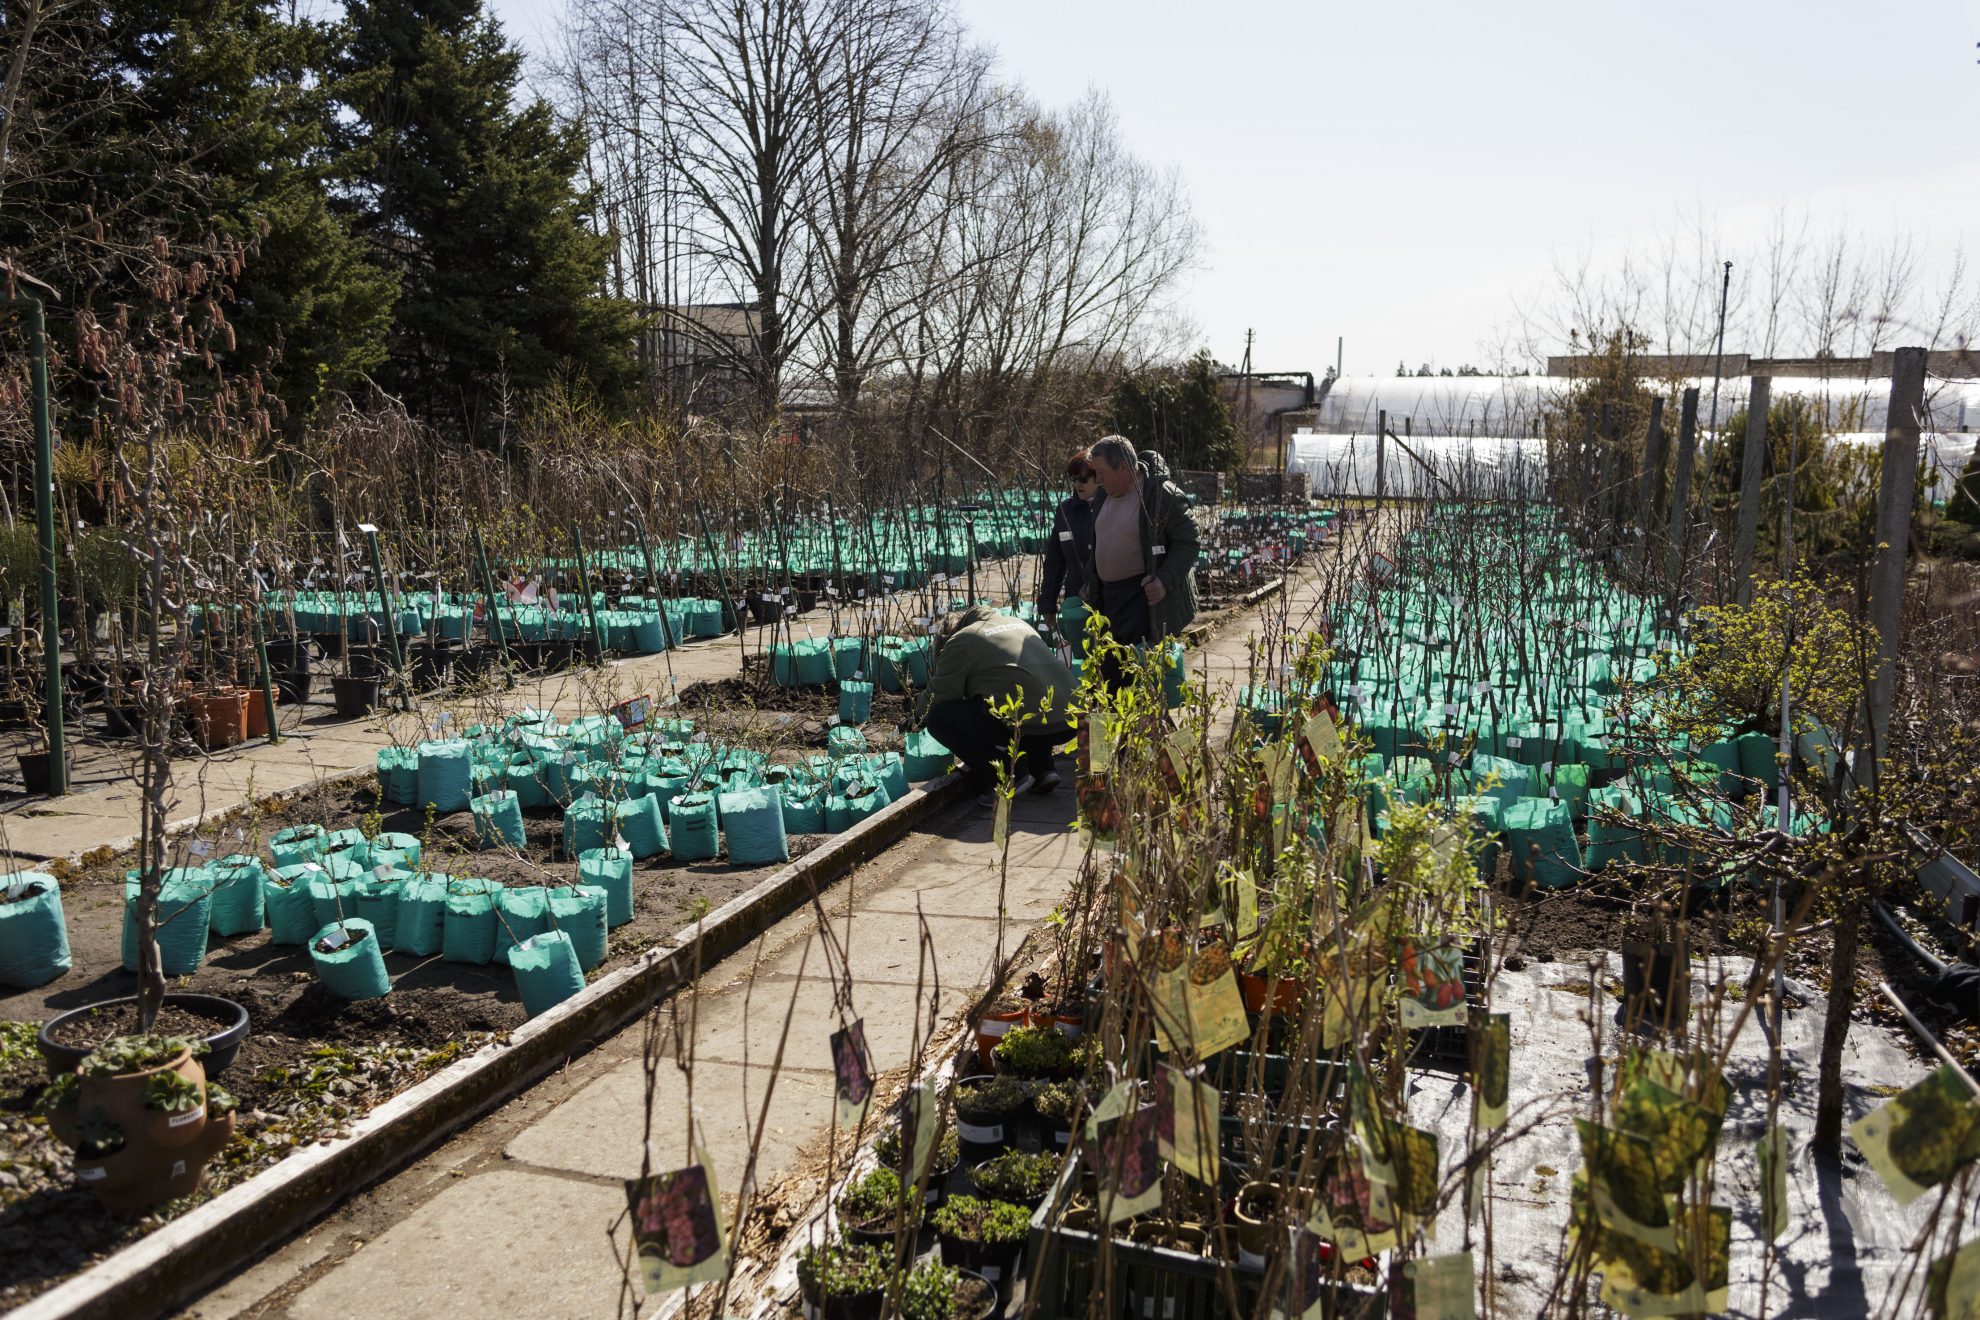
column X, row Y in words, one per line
column 513, row 1214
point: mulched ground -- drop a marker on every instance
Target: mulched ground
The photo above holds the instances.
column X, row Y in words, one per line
column 719, row 704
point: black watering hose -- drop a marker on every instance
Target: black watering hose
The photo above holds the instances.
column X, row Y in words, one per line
column 1935, row 964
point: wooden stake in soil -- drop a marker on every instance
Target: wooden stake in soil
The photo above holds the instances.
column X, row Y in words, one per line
column 1752, row 472
column 1679, row 524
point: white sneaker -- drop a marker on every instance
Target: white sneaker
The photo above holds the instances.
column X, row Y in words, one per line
column 1022, row 785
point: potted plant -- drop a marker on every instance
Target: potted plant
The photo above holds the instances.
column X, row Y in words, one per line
column 943, row 1292
column 216, row 1025
column 1257, row 1211
column 942, row 1161
column 1017, row 1176
column 984, row 1236
column 843, row 1281
column 1035, row 1053
column 34, row 937
column 878, row 1208
column 35, row 764
column 137, row 1116
column 1656, row 969
column 1058, row 1106
column 985, row 1108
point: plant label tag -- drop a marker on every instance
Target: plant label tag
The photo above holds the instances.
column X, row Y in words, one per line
column 382, row 871
column 1451, row 709
column 832, row 722
column 1515, row 743
column 921, row 620
column 1159, row 550
column 16, row 890
column 336, row 939
column 1553, row 795
column 887, row 579
column 201, row 848
column 1546, row 767
column 859, row 675
column 1480, row 688
column 619, row 842
column 192, row 1116
column 313, row 867
column 860, row 594
column 769, row 598
column 1066, row 537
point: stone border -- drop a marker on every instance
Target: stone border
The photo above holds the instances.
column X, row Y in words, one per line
column 150, row 1277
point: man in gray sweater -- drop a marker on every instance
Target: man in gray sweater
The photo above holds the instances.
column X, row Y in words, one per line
column 1145, row 546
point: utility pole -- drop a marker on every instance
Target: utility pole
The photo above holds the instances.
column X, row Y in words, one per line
column 1246, row 370
column 1718, row 366
column 1746, row 533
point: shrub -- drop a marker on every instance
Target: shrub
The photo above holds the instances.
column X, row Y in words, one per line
column 1016, row 1175
column 930, row 1293
column 971, row 1219
column 879, row 1196
column 988, row 1098
column 1035, row 1051
column 842, row 1270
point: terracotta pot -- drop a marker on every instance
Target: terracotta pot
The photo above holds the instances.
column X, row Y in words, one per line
column 164, row 1155
column 257, row 714
column 990, row 1029
column 219, row 718
column 1282, row 993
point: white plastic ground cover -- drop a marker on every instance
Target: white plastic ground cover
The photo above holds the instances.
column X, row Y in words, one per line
column 1843, row 1251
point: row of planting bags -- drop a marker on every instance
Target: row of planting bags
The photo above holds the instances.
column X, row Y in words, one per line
column 1450, row 711
column 667, row 790
column 630, row 625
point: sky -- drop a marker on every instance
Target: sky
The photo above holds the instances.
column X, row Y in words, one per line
column 1409, row 177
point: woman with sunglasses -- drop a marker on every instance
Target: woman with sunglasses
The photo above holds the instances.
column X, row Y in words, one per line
column 1069, row 551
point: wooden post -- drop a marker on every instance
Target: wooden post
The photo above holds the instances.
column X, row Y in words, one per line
column 1381, row 440
column 1752, row 472
column 1895, row 493
column 1651, row 484
column 1680, row 518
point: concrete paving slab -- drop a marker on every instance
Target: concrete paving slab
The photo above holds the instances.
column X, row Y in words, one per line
column 507, row 1242
column 597, row 1132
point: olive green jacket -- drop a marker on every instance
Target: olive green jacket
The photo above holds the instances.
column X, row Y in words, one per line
column 1169, row 549
column 993, row 657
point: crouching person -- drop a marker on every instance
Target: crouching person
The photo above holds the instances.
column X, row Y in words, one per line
column 982, row 660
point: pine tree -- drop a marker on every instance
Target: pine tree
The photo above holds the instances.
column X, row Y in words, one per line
column 469, row 201
column 1179, row 413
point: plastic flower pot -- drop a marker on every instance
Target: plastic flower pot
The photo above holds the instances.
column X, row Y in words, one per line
column 36, row 770
column 356, row 696
column 547, row 971
column 34, row 938
column 222, row 1043
column 349, row 959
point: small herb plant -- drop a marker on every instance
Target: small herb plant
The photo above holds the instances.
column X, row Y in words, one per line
column 970, row 1219
column 1036, row 1051
column 220, row 1101
column 879, row 1200
column 988, row 1099
column 1060, row 1100
column 842, row 1270
column 1016, row 1175
column 948, row 1150
column 98, row 1136
column 930, row 1293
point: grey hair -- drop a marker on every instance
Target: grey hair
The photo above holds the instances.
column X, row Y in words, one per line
column 1117, row 450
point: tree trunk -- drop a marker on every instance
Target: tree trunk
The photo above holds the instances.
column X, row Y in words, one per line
column 1835, row 1027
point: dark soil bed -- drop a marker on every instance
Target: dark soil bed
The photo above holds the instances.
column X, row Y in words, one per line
column 811, row 707
column 311, row 1062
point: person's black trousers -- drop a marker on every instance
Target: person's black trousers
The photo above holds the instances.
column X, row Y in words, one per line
column 981, row 741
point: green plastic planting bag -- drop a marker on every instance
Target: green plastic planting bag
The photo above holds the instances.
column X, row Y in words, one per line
column 695, row 828
column 183, row 922
column 377, row 900
column 355, row 966
column 609, row 869
column 585, row 826
column 753, row 823
column 844, row 740
column 1611, row 840
column 855, row 701
column 580, row 912
column 297, row 844
column 520, row 911
column 498, row 820
column 443, row 775
column 422, row 916
column 640, row 824
column 925, row 758
column 395, row 849
column 332, row 896
column 468, row 930
column 524, row 780
column 804, row 809
column 547, row 971
column 858, row 801
column 286, row 903
column 236, row 908
column 398, row 775
column 34, row 939
column 1540, row 835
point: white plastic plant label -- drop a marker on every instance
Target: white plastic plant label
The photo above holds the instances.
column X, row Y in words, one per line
column 16, row 890
column 1066, row 536
column 201, row 848
column 335, row 940
column 1159, row 550
column 1515, row 743
column 313, row 868
column 1546, row 767
column 382, row 871
column 619, row 842
column 1451, row 709
column 887, row 579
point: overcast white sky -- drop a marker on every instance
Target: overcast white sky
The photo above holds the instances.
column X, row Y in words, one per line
column 1402, row 174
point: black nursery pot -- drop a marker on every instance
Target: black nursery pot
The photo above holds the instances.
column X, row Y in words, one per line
column 357, row 696
column 37, row 767
column 222, row 1043
column 1656, row 986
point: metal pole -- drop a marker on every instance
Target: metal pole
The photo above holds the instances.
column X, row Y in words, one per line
column 495, row 629
column 1894, row 500
column 391, row 615
column 590, row 606
column 653, row 576
column 267, row 685
column 1381, row 430
column 44, row 513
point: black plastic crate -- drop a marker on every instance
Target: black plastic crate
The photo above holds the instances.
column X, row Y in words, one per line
column 1149, row 1282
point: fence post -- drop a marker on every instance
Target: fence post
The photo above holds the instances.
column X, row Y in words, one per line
column 1381, row 440
column 1652, row 481
column 1752, row 472
column 1679, row 527
column 1894, row 499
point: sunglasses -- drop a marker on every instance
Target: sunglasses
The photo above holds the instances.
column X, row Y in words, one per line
column 1077, row 477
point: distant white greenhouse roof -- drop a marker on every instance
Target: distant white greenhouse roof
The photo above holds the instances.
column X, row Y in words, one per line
column 1513, row 405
